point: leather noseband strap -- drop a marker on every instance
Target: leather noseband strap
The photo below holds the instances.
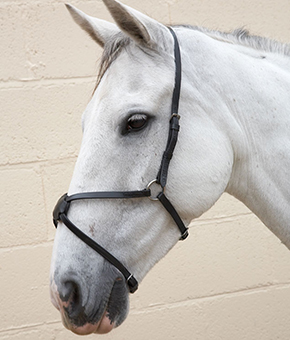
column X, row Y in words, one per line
column 60, row 214
column 61, row 209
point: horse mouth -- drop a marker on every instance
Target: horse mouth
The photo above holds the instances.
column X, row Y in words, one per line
column 81, row 326
column 113, row 313
column 105, row 325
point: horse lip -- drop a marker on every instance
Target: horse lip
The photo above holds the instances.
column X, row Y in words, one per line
column 117, row 306
column 100, row 327
column 103, row 326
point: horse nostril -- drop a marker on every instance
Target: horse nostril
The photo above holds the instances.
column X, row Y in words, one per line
column 70, row 294
column 67, row 290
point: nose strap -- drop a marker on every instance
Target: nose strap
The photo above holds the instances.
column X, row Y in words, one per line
column 60, row 214
column 130, row 279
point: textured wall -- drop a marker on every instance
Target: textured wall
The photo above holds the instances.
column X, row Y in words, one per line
column 229, row 280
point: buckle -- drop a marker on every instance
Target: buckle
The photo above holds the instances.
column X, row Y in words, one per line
column 174, row 115
column 132, row 284
column 61, row 207
column 184, row 235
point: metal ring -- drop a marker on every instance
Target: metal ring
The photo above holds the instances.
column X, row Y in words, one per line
column 148, row 187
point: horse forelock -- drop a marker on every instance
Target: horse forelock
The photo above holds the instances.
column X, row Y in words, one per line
column 112, row 50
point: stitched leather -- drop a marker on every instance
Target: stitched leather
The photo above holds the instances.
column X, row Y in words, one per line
column 60, row 214
column 174, row 120
column 131, row 281
column 109, row 195
column 170, row 208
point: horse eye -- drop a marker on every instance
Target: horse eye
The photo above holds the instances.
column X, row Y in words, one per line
column 136, row 122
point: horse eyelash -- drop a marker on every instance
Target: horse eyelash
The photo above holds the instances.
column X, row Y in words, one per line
column 132, row 117
column 137, row 116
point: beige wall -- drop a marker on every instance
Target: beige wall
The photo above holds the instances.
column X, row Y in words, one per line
column 230, row 280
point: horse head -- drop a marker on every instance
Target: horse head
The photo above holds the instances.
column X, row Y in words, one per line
column 125, row 129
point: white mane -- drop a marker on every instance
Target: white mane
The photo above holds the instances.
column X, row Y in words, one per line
column 242, row 37
column 239, row 36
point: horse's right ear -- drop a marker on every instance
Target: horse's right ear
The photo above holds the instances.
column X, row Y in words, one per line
column 100, row 30
column 138, row 26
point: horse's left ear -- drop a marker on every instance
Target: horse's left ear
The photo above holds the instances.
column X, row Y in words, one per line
column 136, row 25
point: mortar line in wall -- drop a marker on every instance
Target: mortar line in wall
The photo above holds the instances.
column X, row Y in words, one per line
column 45, row 82
column 25, row 165
column 15, row 329
column 30, row 326
column 219, row 219
column 190, row 302
column 45, row 243
column 38, row 2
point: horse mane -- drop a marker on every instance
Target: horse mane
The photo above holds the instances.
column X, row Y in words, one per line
column 242, row 36
column 239, row 36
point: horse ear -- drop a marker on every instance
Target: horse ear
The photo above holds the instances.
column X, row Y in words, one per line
column 136, row 25
column 100, row 30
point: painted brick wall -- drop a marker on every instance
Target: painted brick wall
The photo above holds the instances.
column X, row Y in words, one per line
column 229, row 280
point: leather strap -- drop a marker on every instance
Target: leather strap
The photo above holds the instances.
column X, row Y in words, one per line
column 130, row 279
column 63, row 203
column 174, row 118
column 177, row 86
column 170, row 208
column 109, row 195
column 60, row 213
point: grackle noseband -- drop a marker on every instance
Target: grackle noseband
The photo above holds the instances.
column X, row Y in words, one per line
column 62, row 207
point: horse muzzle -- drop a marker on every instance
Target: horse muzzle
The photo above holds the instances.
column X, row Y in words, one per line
column 85, row 310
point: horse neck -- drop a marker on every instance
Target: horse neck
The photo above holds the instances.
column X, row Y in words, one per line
column 261, row 175
column 255, row 113
column 261, row 182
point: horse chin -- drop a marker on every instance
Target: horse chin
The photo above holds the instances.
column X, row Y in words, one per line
column 102, row 327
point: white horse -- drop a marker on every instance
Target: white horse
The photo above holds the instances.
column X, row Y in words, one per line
column 234, row 137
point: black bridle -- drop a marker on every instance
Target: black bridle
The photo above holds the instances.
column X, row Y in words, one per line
column 62, row 207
